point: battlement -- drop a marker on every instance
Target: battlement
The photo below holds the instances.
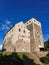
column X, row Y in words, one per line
column 33, row 20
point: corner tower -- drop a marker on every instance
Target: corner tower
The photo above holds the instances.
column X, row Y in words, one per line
column 36, row 39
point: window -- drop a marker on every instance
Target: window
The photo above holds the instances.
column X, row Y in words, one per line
column 19, row 29
column 36, row 32
column 12, row 29
column 14, row 49
column 11, row 35
column 22, row 35
column 29, row 21
column 22, row 39
column 5, row 41
column 39, row 42
column 24, row 31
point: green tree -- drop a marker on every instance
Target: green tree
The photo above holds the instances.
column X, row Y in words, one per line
column 47, row 45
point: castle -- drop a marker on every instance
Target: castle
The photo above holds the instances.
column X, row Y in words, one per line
column 24, row 37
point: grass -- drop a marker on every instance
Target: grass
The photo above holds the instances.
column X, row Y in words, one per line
column 45, row 64
column 19, row 57
column 20, row 54
column 40, row 55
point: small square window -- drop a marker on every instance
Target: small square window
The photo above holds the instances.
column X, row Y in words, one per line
column 29, row 21
column 4, row 41
column 19, row 29
column 22, row 35
column 22, row 39
column 12, row 29
column 24, row 31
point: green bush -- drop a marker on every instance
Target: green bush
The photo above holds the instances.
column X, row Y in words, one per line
column 45, row 59
column 15, row 59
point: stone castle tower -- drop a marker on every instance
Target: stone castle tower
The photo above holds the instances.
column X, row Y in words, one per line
column 36, row 39
column 24, row 37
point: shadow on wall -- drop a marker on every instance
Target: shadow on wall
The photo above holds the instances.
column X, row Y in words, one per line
column 14, row 59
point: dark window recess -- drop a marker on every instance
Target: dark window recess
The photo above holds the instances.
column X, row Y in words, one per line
column 36, row 32
column 22, row 36
column 24, row 31
column 22, row 39
column 4, row 41
column 12, row 29
column 39, row 42
column 41, row 49
column 14, row 49
column 29, row 21
column 19, row 29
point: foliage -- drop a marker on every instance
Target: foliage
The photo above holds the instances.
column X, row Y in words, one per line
column 15, row 59
column 47, row 45
column 45, row 59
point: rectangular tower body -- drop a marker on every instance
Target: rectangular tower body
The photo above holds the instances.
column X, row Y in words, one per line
column 36, row 39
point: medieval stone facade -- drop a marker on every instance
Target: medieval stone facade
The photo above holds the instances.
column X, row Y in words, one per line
column 24, row 37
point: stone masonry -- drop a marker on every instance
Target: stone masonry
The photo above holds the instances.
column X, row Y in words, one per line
column 24, row 37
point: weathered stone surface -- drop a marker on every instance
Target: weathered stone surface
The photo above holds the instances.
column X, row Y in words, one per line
column 24, row 37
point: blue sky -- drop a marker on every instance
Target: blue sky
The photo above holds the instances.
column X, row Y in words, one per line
column 13, row 11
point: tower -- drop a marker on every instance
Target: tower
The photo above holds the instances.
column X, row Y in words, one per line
column 36, row 39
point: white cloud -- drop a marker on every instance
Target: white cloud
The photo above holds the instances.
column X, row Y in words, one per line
column 5, row 27
column 1, row 47
column 8, row 22
column 11, row 25
column 46, row 37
